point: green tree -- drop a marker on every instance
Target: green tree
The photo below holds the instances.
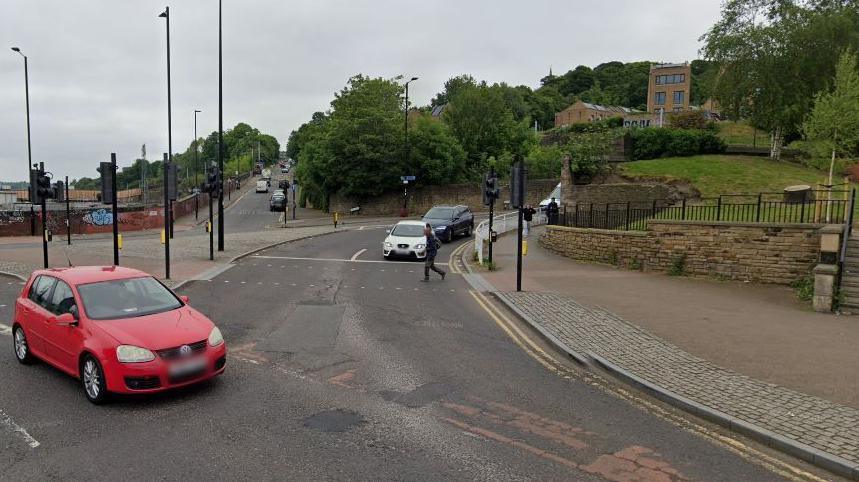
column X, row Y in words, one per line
column 773, row 53
column 436, row 155
column 453, row 86
column 833, row 123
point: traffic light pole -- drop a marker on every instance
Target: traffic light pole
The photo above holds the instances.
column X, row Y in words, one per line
column 115, row 210
column 68, row 214
column 44, row 220
column 220, row 131
column 491, row 215
column 166, row 219
column 211, row 228
column 521, row 189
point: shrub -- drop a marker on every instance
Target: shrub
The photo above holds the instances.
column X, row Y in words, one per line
column 678, row 266
column 653, row 143
column 689, row 119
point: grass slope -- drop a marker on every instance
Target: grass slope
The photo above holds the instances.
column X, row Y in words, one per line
column 741, row 134
column 726, row 174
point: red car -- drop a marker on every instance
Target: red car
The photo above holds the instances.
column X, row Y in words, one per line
column 117, row 329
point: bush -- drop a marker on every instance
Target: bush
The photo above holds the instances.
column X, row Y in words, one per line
column 653, row 143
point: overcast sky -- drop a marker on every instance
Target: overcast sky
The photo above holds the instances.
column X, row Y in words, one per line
column 98, row 67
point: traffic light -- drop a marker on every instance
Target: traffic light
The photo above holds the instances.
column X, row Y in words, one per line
column 43, row 183
column 212, row 184
column 171, row 181
column 490, row 188
column 106, row 171
column 59, row 191
column 518, row 177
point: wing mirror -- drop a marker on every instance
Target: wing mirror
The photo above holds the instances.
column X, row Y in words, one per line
column 388, row 230
column 184, row 298
column 66, row 319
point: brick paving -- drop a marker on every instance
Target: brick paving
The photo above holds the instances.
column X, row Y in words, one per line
column 818, row 423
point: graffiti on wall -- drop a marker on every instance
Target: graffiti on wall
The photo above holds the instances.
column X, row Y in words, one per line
column 100, row 217
column 11, row 217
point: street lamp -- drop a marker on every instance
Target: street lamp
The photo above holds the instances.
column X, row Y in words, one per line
column 407, row 147
column 29, row 147
column 220, row 131
column 168, row 218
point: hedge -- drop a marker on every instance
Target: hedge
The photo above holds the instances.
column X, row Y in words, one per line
column 653, row 143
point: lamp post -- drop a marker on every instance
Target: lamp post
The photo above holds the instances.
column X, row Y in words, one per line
column 166, row 15
column 196, row 181
column 406, row 146
column 220, row 131
column 29, row 146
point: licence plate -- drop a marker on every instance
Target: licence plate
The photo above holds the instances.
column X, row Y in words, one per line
column 179, row 369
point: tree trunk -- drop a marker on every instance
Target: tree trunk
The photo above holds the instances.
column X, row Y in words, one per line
column 776, row 141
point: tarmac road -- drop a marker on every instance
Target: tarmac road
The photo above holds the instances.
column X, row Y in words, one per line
column 346, row 366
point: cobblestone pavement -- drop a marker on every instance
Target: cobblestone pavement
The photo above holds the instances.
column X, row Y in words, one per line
column 820, row 424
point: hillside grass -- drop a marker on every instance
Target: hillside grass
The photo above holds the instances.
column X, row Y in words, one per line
column 727, row 174
column 741, row 134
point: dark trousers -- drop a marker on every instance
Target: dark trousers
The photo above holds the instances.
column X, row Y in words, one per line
column 429, row 264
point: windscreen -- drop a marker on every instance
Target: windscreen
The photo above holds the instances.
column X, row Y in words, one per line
column 440, row 213
column 126, row 298
column 408, row 230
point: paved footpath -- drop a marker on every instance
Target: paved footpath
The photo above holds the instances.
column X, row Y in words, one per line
column 809, row 427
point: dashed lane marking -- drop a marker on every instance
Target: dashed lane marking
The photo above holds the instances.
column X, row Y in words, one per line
column 359, row 253
column 6, row 421
column 5, row 330
column 334, row 260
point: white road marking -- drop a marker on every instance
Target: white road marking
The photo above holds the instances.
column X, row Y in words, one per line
column 18, row 430
column 335, row 260
column 359, row 253
column 5, row 330
column 226, row 281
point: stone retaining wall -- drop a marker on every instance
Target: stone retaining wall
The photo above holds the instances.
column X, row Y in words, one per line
column 765, row 253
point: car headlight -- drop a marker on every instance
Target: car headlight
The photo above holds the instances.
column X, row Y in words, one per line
column 133, row 354
column 388, row 245
column 419, row 246
column 215, row 337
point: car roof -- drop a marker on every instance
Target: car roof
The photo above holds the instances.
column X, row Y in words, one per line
column 447, row 206
column 78, row 275
column 413, row 223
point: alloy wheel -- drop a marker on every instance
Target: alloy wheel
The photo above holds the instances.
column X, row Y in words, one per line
column 20, row 344
column 92, row 378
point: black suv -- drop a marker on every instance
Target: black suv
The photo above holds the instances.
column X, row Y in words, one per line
column 450, row 221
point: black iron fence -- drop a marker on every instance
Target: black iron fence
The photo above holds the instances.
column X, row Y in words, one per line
column 802, row 207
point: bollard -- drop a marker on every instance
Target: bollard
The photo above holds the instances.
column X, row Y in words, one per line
column 162, row 236
column 119, row 240
column 524, row 247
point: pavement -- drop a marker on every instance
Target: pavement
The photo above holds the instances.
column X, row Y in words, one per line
column 748, row 357
column 343, row 365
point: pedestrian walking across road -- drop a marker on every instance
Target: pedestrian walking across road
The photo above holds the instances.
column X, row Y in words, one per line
column 527, row 216
column 433, row 244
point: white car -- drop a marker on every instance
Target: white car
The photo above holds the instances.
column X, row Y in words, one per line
column 406, row 239
column 262, row 186
column 556, row 193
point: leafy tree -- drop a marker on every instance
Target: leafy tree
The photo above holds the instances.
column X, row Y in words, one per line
column 453, row 86
column 544, row 162
column 484, row 125
column 577, row 80
column 833, row 123
column 773, row 53
column 435, row 153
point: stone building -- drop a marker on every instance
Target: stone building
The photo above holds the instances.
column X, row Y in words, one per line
column 669, row 88
column 585, row 112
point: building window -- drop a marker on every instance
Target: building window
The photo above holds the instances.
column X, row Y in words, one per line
column 679, row 96
column 678, row 109
column 670, row 79
column 660, row 98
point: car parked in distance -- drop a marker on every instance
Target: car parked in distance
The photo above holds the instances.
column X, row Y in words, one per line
column 405, row 239
column 262, row 186
column 118, row 330
column 277, row 201
column 450, row 221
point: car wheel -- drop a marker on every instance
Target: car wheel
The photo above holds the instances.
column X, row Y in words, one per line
column 21, row 347
column 92, row 379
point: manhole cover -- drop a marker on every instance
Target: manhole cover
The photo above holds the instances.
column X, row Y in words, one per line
column 333, row 420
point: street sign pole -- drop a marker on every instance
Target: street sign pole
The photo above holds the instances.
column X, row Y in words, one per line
column 491, row 215
column 44, row 220
column 294, row 203
column 166, row 218
column 68, row 214
column 115, row 211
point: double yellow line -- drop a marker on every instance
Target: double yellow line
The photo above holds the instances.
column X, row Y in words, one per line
column 454, row 256
column 535, row 351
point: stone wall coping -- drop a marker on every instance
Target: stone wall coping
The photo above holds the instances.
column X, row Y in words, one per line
column 739, row 225
column 826, row 269
column 612, row 232
column 832, row 229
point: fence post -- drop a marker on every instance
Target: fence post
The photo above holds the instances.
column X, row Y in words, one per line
column 719, row 209
column 683, row 211
column 653, row 212
column 802, row 208
column 758, row 215
column 591, row 220
column 627, row 215
column 576, row 221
